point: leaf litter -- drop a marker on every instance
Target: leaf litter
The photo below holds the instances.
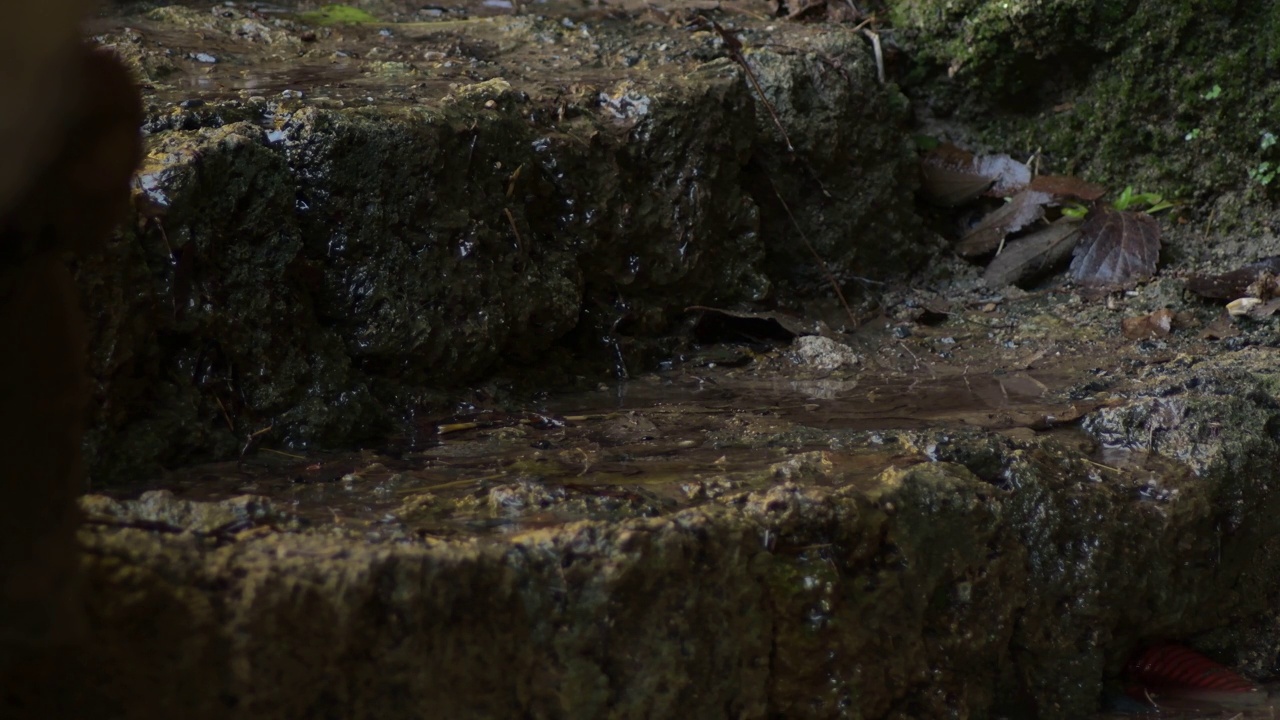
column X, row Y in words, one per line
column 1034, row 255
column 1114, row 246
column 952, row 176
column 1022, row 210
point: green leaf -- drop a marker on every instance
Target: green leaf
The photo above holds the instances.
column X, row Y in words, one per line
column 1129, row 199
column 1075, row 211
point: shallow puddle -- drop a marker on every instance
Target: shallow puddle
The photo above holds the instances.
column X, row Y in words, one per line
column 642, row 448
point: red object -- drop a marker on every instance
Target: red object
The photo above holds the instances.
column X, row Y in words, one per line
column 1173, row 667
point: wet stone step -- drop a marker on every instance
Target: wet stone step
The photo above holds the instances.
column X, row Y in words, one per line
column 328, row 229
column 651, row 551
column 962, row 502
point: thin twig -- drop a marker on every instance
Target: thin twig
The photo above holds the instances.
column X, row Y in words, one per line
column 767, row 105
column 875, row 46
column 734, row 47
column 1104, row 467
column 225, row 415
column 831, row 278
column 511, row 219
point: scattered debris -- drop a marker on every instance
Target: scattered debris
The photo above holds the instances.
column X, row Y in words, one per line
column 1152, row 325
column 1253, row 307
column 1115, row 246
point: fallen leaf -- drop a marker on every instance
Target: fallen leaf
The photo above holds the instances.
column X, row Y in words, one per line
column 1266, row 309
column 1067, row 186
column 952, row 176
column 1236, row 283
column 1022, row 209
column 1156, row 324
column 1116, row 247
column 948, row 176
column 1024, row 259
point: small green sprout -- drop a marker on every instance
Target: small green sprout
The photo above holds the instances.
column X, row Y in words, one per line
column 1214, row 93
column 1268, row 139
column 1129, row 199
column 1075, row 211
column 1194, row 134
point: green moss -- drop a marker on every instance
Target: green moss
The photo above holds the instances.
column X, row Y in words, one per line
column 1120, row 92
column 337, row 15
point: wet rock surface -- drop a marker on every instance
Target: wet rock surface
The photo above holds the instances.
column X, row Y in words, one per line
column 337, row 221
column 975, row 504
column 723, row 539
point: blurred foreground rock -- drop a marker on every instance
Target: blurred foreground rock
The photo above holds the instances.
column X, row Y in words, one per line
column 69, row 142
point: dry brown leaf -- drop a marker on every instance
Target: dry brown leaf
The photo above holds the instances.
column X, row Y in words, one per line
column 1023, row 209
column 1028, row 257
column 1156, row 324
column 1236, row 283
column 1267, row 309
column 1067, row 186
column 1116, row 248
column 948, row 177
column 952, row 176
